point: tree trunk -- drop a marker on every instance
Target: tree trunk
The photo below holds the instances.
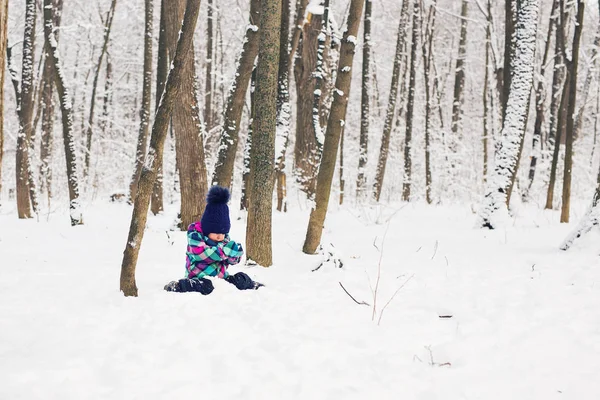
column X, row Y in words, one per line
column 486, row 91
column 308, row 144
column 335, row 126
column 46, row 105
column 146, row 99
column 298, row 27
column 283, row 106
column 572, row 66
column 539, row 101
column 411, row 103
column 427, row 51
column 245, row 199
column 559, row 103
column 342, row 181
column 188, row 129
column 262, row 152
column 208, row 88
column 459, row 78
column 509, row 29
column 391, row 108
column 361, row 181
column 162, row 70
column 235, row 101
column 3, row 41
column 67, row 114
column 25, row 107
column 590, row 220
column 90, row 127
column 155, row 153
column 494, row 209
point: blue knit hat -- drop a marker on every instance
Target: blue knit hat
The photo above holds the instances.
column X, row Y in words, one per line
column 216, row 214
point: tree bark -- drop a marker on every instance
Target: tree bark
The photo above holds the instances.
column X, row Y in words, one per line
column 308, row 144
column 67, row 114
column 146, row 100
column 361, row 180
column 298, row 27
column 283, row 106
column 411, row 103
column 427, row 62
column 509, row 29
column 188, row 129
column 107, row 28
column 245, row 199
column 494, row 209
column 3, row 41
column 262, row 152
column 208, row 87
column 486, row 91
column 155, row 153
column 391, row 108
column 539, row 101
column 162, row 70
column 25, row 109
column 572, row 66
column 459, row 77
column 235, row 101
column 335, row 125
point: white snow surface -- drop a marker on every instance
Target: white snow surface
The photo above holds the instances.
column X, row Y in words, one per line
column 525, row 321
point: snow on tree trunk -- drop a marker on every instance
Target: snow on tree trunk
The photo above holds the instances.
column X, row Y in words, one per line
column 427, row 47
column 146, row 99
column 335, row 125
column 391, row 108
column 283, row 106
column 3, row 41
column 411, row 103
column 262, row 152
column 494, row 209
column 590, row 220
column 155, row 153
column 67, row 115
column 361, row 180
column 208, row 90
column 235, row 101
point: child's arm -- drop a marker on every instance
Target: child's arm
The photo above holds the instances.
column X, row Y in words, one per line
column 233, row 252
column 204, row 253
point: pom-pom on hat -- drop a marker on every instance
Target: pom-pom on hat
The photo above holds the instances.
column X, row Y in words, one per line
column 216, row 214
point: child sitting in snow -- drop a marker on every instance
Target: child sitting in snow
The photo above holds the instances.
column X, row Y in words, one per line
column 210, row 251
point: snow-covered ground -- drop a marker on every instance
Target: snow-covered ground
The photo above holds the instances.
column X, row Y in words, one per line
column 525, row 316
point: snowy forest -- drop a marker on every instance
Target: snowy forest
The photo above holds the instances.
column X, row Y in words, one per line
column 414, row 156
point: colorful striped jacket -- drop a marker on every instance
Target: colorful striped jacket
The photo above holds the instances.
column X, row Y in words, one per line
column 203, row 259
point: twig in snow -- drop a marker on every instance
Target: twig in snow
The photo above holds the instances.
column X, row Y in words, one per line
column 447, row 263
column 352, row 297
column 392, row 298
column 419, row 249
column 434, row 249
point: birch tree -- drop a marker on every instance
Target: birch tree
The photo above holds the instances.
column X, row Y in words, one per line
column 335, row 125
column 155, row 153
column 494, row 208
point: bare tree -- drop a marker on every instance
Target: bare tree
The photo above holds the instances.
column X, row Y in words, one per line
column 90, row 127
column 262, row 152
column 283, row 106
column 297, row 32
column 155, row 153
column 146, row 99
column 67, row 114
column 208, row 91
column 3, row 41
column 235, row 101
column 335, row 125
column 361, row 181
column 495, row 208
column 411, row 102
column 539, row 101
column 391, row 108
column 189, row 142
column 25, row 110
column 427, row 51
column 459, row 78
column 572, row 66
column 162, row 70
